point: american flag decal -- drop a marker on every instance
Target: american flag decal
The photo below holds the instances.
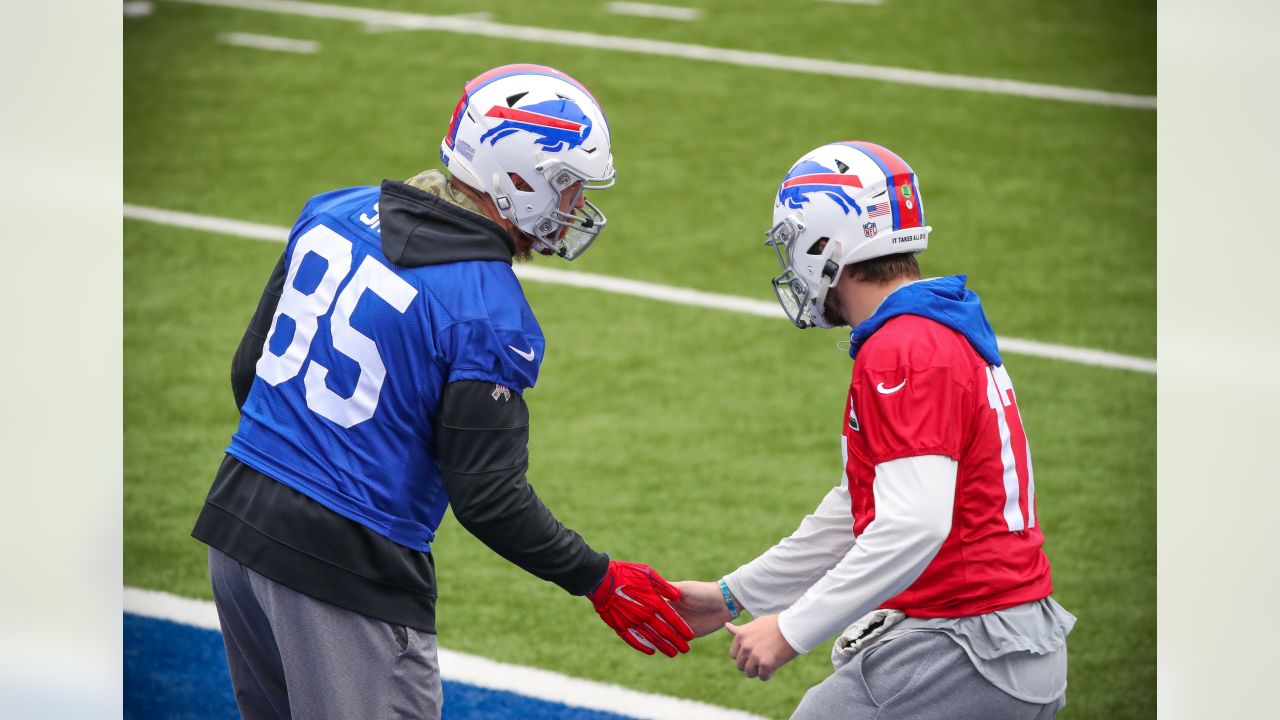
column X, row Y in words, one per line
column 878, row 210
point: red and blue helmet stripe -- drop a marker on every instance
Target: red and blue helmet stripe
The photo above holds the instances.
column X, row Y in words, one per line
column 521, row 69
column 498, row 73
column 900, row 182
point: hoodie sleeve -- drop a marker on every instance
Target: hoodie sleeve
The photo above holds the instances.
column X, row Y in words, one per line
column 244, row 363
column 483, row 434
column 780, row 575
column 915, row 498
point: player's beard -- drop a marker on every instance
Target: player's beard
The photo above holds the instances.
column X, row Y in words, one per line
column 523, row 244
column 831, row 311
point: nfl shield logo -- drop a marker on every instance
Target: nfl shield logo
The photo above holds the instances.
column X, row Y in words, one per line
column 869, row 229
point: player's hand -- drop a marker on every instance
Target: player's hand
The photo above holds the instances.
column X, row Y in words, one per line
column 759, row 647
column 632, row 599
column 701, row 604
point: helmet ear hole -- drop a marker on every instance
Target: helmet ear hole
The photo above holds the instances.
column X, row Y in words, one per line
column 520, row 183
column 817, row 247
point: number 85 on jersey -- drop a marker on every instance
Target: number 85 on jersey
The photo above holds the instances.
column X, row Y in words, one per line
column 305, row 310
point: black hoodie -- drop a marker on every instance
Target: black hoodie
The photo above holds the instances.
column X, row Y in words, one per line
column 481, row 447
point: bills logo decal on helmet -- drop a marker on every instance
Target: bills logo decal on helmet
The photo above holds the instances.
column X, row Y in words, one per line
column 497, row 74
column 559, row 124
column 808, row 177
column 900, row 182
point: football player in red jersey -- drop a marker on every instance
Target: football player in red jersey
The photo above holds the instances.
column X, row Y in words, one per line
column 926, row 558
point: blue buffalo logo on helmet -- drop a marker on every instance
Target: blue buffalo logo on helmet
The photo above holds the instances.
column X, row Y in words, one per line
column 558, row 124
column 810, row 177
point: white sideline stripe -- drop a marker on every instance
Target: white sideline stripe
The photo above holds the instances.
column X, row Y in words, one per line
column 1083, row 356
column 638, row 288
column 208, row 223
column 269, row 42
column 745, row 58
column 138, row 8
column 664, row 12
column 476, row 670
column 374, row 28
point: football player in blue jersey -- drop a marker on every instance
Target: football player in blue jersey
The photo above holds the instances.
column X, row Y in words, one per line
column 379, row 382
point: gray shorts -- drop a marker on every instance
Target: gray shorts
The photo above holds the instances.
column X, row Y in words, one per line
column 292, row 656
column 915, row 676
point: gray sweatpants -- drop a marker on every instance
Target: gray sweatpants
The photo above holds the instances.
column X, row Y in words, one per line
column 916, row 676
column 292, row 656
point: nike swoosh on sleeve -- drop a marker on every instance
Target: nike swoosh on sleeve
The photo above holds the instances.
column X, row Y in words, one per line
column 530, row 355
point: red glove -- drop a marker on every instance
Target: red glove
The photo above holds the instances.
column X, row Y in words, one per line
column 632, row 599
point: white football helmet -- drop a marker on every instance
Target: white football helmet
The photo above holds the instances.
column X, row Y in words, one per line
column 534, row 140
column 859, row 197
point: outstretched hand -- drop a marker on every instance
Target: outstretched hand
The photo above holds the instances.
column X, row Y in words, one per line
column 632, row 599
column 759, row 647
column 702, row 606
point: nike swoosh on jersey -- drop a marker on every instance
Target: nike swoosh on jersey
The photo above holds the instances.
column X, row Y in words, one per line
column 880, row 388
column 526, row 355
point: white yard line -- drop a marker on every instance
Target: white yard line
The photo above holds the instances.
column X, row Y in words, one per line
column 375, row 28
column 138, row 8
column 269, row 42
column 638, row 288
column 208, row 223
column 649, row 10
column 476, row 670
column 744, row 58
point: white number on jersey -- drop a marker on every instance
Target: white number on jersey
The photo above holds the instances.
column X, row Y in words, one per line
column 1000, row 395
column 305, row 311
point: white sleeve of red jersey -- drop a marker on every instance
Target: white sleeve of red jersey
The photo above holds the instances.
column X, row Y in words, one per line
column 777, row 578
column 914, row 497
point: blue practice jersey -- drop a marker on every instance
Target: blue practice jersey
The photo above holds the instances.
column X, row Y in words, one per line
column 358, row 354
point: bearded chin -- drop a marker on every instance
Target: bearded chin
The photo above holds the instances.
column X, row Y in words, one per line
column 831, row 312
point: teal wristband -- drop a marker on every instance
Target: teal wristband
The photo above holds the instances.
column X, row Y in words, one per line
column 734, row 612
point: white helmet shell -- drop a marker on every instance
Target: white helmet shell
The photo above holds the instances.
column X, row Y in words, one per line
column 859, row 197
column 534, row 140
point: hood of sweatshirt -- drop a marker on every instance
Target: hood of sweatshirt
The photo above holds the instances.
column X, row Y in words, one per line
column 945, row 300
column 421, row 227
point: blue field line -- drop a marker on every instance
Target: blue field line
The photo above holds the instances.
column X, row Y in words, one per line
column 179, row 672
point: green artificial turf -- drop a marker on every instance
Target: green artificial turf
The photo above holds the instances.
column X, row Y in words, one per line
column 1052, row 204
column 685, row 438
column 688, row 438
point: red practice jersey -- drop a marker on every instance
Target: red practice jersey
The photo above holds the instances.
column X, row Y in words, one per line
column 919, row 388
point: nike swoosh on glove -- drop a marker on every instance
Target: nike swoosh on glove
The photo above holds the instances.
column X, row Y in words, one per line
column 632, row 599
